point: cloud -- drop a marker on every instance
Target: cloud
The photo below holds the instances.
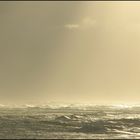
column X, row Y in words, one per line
column 85, row 23
column 72, row 26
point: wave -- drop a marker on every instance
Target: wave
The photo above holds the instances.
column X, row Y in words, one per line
column 100, row 120
column 85, row 124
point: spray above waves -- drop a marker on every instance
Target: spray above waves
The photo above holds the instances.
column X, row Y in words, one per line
column 53, row 105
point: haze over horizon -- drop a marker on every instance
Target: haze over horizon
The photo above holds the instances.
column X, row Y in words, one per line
column 70, row 52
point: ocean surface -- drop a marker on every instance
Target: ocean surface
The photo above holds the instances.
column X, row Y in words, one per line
column 70, row 122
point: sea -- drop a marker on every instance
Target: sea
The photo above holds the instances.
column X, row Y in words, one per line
column 70, row 122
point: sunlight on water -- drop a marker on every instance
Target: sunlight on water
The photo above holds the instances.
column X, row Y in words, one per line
column 70, row 121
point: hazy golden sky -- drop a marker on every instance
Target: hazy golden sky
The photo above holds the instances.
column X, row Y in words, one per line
column 70, row 51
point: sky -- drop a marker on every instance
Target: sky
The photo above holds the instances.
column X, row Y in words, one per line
column 66, row 51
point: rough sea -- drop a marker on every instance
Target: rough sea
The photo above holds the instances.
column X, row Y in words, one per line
column 70, row 122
